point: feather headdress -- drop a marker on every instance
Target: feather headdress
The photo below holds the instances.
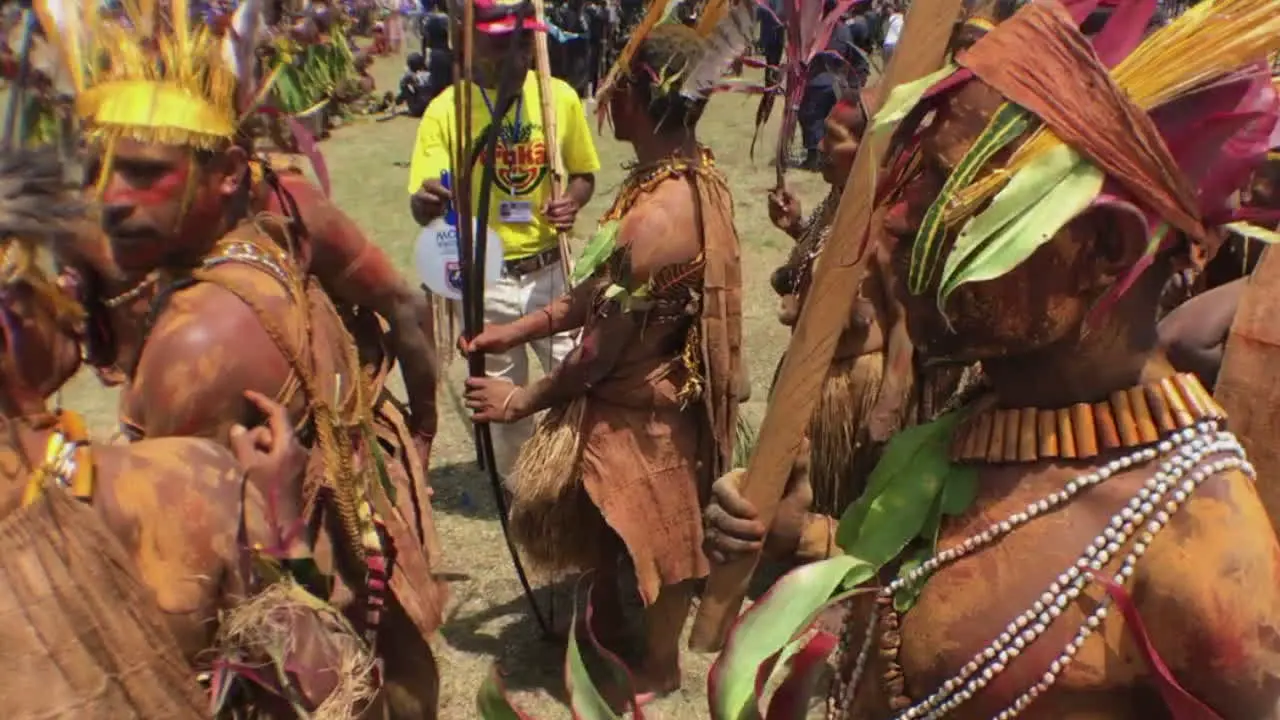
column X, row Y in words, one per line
column 39, row 210
column 726, row 27
column 1162, row 128
column 152, row 75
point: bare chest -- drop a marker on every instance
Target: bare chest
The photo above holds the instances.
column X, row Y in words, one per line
column 1010, row 624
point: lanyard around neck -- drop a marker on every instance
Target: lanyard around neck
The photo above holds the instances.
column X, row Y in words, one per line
column 519, row 107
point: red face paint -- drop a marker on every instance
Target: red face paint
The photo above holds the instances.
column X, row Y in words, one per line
column 168, row 186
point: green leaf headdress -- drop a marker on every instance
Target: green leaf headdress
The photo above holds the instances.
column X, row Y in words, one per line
column 1165, row 129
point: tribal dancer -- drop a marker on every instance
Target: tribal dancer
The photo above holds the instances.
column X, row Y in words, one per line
column 643, row 412
column 234, row 311
column 357, row 274
column 868, row 394
column 1097, row 547
column 170, row 594
column 354, row 271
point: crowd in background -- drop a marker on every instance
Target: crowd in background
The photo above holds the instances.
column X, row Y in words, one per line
column 586, row 35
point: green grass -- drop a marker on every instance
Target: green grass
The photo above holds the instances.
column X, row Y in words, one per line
column 488, row 621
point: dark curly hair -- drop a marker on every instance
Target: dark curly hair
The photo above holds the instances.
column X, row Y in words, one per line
column 669, row 53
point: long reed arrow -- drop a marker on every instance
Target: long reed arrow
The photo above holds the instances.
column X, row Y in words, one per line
column 473, row 227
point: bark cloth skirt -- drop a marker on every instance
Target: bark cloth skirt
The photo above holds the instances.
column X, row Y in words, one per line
column 626, row 459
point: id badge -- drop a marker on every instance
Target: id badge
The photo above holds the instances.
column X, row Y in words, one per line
column 515, row 211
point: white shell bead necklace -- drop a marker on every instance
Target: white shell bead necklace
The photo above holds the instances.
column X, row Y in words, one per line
column 1192, row 455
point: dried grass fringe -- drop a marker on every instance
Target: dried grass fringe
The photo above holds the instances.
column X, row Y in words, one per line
column 261, row 622
column 80, row 632
column 552, row 517
column 839, row 452
column 744, row 443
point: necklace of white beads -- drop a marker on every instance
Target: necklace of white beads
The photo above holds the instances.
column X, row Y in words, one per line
column 1189, row 457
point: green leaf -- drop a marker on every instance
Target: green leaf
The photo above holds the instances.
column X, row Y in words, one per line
column 770, row 625
column 585, row 700
column 904, row 98
column 900, row 493
column 1038, row 201
column 960, row 490
column 597, row 250
column 907, row 594
column 782, row 665
column 307, row 574
column 1007, row 124
column 267, row 568
column 1255, row 232
column 933, row 523
column 492, row 702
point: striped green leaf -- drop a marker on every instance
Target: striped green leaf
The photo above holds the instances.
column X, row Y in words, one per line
column 1039, row 201
column 1006, row 125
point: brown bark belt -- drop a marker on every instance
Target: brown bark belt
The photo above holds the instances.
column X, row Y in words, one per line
column 520, row 267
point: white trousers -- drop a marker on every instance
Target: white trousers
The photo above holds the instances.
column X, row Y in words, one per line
column 505, row 301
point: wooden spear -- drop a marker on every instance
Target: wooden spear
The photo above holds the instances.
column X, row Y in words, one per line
column 837, row 276
column 542, row 62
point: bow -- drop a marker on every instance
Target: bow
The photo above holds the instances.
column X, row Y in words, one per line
column 472, row 230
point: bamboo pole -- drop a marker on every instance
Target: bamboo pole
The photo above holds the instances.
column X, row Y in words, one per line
column 542, row 63
column 836, row 278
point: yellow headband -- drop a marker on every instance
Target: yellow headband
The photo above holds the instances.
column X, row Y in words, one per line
column 143, row 78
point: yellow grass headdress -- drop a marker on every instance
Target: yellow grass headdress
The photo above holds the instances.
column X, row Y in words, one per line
column 152, row 75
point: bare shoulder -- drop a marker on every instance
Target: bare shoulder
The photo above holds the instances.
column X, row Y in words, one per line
column 1209, row 590
column 200, row 318
column 206, row 348
column 193, row 477
column 1223, row 531
column 662, row 228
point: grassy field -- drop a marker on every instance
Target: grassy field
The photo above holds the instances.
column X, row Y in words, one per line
column 488, row 620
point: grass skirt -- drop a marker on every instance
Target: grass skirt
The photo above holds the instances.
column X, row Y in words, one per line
column 265, row 627
column 552, row 517
column 841, row 457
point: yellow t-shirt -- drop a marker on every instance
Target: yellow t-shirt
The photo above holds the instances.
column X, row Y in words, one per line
column 521, row 185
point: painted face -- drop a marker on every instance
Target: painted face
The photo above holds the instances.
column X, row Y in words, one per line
column 624, row 110
column 157, row 203
column 1041, row 302
column 839, row 144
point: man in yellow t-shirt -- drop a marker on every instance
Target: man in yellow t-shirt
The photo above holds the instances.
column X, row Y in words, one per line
column 521, row 209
